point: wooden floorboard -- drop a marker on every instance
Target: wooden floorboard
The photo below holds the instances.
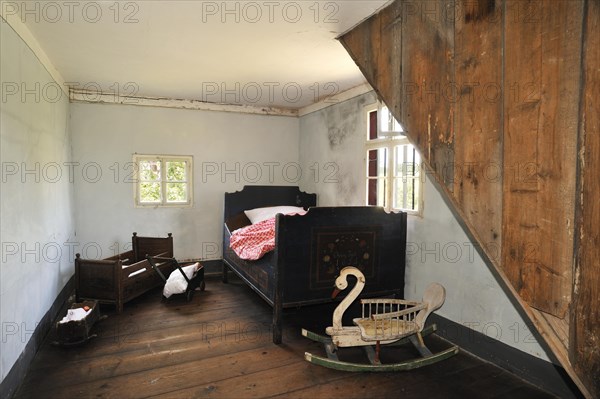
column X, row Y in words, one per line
column 219, row 346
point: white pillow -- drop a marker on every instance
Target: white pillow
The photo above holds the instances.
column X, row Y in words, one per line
column 176, row 283
column 259, row 214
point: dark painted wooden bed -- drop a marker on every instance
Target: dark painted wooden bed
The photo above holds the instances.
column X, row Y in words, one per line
column 311, row 249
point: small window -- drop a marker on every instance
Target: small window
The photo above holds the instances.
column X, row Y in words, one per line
column 393, row 165
column 163, row 180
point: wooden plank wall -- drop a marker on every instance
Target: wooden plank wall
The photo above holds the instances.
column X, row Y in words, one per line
column 478, row 148
column 543, row 43
column 584, row 346
column 501, row 97
column 426, row 78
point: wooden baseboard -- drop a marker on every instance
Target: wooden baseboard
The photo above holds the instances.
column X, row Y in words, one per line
column 15, row 376
column 538, row 372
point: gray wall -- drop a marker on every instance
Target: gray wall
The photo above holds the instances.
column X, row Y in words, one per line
column 36, row 198
column 332, row 143
column 437, row 248
column 228, row 149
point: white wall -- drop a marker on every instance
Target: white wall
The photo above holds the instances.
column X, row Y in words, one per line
column 229, row 150
column 437, row 247
column 36, row 206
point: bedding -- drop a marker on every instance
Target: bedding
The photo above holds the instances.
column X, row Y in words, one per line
column 259, row 214
column 254, row 241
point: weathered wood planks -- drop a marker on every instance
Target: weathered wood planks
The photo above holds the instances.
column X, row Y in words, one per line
column 478, row 168
column 490, row 94
column 427, row 95
column 542, row 46
column 585, row 315
column 420, row 92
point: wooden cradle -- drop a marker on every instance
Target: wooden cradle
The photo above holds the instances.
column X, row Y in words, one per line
column 123, row 277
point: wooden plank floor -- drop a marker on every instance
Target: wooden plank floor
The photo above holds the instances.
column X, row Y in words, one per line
column 219, row 346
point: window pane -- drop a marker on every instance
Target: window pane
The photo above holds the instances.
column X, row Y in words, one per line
column 176, row 171
column 377, row 163
column 176, row 192
column 399, row 158
column 417, row 163
column 163, row 180
column 406, row 177
column 149, row 170
column 388, row 125
column 412, row 161
column 376, row 192
column 372, row 131
column 407, row 161
column 410, row 194
column 149, row 192
column 417, row 194
column 399, row 190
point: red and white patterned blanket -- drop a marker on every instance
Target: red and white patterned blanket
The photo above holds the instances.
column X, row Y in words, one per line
column 254, row 241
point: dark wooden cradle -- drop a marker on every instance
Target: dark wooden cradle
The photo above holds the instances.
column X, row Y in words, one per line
column 311, row 249
column 108, row 281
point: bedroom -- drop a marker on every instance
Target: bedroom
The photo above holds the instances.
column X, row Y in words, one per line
column 107, row 135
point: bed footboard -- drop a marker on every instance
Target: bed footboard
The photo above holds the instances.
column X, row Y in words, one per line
column 312, row 249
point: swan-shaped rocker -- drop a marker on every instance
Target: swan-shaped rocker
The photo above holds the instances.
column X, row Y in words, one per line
column 384, row 321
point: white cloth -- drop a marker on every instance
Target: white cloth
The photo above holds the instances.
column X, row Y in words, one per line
column 176, row 283
column 75, row 315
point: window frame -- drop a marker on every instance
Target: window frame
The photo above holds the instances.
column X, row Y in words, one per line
column 163, row 158
column 389, row 144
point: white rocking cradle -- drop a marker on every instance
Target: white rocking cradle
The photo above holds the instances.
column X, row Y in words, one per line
column 383, row 322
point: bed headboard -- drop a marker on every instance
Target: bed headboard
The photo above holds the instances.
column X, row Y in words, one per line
column 261, row 196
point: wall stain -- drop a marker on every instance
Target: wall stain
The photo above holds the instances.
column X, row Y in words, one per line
column 342, row 121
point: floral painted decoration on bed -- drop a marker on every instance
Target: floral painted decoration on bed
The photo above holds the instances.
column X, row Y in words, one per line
column 254, row 241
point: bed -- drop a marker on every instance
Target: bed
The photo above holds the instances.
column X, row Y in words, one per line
column 123, row 277
column 311, row 249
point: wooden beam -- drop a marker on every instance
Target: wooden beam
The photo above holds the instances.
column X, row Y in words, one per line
column 336, row 99
column 87, row 96
column 9, row 11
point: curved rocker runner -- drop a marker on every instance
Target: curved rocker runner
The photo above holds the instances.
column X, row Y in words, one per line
column 385, row 321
